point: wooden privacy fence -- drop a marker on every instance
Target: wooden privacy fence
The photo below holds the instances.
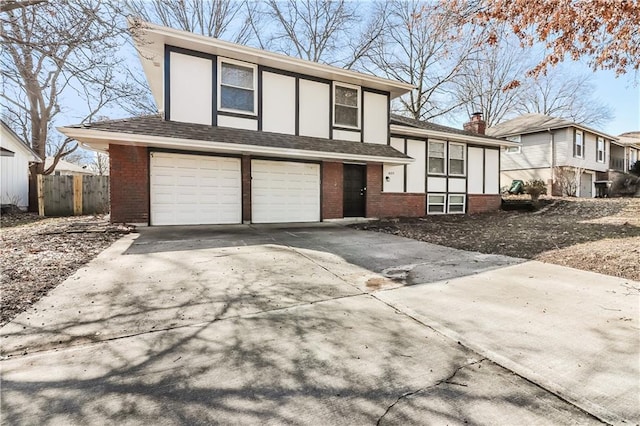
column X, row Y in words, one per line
column 72, row 195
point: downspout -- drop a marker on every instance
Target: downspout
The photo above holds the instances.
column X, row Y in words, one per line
column 552, row 159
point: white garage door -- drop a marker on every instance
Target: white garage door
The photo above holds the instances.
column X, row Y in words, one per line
column 195, row 189
column 284, row 192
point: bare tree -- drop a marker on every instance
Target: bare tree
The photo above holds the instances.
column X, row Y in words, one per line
column 60, row 52
column 225, row 19
column 327, row 31
column 100, row 164
column 566, row 95
column 425, row 45
column 484, row 83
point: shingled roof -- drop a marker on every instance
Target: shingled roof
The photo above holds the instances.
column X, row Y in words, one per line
column 420, row 124
column 155, row 125
column 533, row 123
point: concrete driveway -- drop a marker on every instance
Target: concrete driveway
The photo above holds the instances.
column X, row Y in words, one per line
column 321, row 325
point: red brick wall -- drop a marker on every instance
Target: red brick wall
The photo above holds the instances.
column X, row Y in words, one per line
column 246, row 188
column 129, row 183
column 382, row 205
column 332, row 184
column 483, row 203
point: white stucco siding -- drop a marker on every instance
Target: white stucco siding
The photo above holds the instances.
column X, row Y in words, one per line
column 436, row 184
column 237, row 122
column 278, row 103
column 393, row 176
column 346, row 135
column 191, row 89
column 416, row 170
column 314, row 118
column 375, row 126
column 457, row 185
column 476, row 170
column 491, row 171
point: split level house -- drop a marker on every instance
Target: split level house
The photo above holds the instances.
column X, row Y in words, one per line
column 15, row 158
column 549, row 147
column 247, row 135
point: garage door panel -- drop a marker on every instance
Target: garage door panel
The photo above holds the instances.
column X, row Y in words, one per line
column 193, row 189
column 285, row 192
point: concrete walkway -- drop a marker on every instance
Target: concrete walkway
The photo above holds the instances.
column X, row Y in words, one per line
column 321, row 324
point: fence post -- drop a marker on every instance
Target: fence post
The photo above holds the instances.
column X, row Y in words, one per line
column 40, row 187
column 77, row 195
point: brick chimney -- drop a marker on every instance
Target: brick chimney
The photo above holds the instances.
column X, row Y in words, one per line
column 476, row 124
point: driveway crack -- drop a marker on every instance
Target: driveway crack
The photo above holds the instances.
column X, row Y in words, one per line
column 446, row 380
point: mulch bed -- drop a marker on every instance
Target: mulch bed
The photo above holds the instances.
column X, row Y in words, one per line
column 599, row 235
column 37, row 254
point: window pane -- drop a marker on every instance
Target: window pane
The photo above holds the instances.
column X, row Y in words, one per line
column 234, row 98
column 456, row 199
column 346, row 116
column 436, row 165
column 456, row 167
column 346, row 96
column 436, row 149
column 456, row 208
column 236, row 75
column 436, row 209
column 436, row 199
column 456, row 151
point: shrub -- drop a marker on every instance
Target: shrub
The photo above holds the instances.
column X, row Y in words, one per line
column 535, row 188
column 635, row 168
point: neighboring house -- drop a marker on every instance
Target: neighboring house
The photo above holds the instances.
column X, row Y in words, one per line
column 246, row 135
column 66, row 168
column 552, row 149
column 15, row 158
column 625, row 151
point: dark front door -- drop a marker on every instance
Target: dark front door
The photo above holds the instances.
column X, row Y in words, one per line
column 355, row 190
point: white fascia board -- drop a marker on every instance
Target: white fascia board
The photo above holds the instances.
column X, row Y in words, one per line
column 453, row 137
column 98, row 140
column 150, row 40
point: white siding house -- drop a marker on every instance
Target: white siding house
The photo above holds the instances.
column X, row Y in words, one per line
column 14, row 168
column 264, row 137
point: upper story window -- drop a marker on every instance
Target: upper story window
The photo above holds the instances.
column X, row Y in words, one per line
column 514, row 149
column 600, row 152
column 346, row 106
column 578, row 145
column 237, row 83
column 436, row 160
column 456, row 159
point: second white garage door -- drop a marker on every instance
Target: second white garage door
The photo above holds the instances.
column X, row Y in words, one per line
column 283, row 191
column 194, row 189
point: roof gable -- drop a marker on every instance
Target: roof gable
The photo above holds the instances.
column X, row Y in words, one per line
column 12, row 142
column 534, row 123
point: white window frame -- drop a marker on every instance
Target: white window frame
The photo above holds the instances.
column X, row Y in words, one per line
column 581, row 144
column 359, row 98
column 600, row 141
column 254, row 67
column 443, row 204
column 513, row 149
column 464, row 159
column 463, row 204
column 444, row 162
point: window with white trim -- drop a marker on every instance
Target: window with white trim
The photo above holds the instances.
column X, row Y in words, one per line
column 456, row 203
column 237, row 82
column 514, row 149
column 456, row 159
column 436, row 204
column 436, row 158
column 578, row 145
column 346, row 106
column 600, row 151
